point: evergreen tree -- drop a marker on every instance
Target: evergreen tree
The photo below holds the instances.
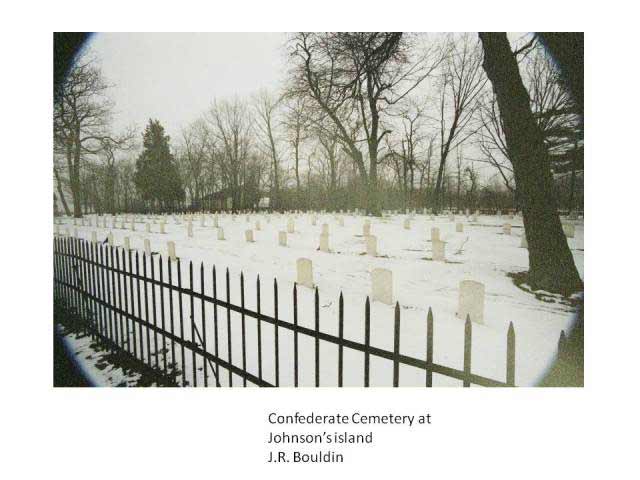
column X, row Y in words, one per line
column 157, row 178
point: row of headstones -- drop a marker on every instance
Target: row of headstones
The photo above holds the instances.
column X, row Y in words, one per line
column 178, row 218
column 470, row 293
column 371, row 241
column 126, row 244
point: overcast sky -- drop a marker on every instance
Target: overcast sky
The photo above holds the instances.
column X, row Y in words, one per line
column 174, row 76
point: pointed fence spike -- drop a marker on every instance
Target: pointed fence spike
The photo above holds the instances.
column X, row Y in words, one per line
column 511, row 356
column 467, row 352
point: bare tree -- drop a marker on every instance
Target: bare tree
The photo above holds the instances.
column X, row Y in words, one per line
column 553, row 110
column 462, row 81
column 81, row 119
column 296, row 121
column 354, row 78
column 196, row 142
column 231, row 125
column 266, row 106
column 551, row 264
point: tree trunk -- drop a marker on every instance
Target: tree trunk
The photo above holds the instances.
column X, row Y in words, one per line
column 297, row 170
column 63, row 200
column 551, row 265
column 573, row 182
column 373, row 204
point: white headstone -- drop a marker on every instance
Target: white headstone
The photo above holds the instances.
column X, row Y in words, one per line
column 459, row 227
column 471, row 301
column 202, row 220
column 407, row 224
column 190, row 229
column 372, row 245
column 366, row 228
column 304, row 269
column 325, row 229
column 248, row 235
column 282, row 238
column 438, row 250
column 127, row 243
column 94, row 237
column 110, row 239
column 258, row 225
column 435, row 234
column 506, row 229
column 220, row 233
column 162, row 227
column 291, row 226
column 324, row 242
column 341, row 221
column 171, row 250
column 382, row 286
column 133, row 225
column 147, row 246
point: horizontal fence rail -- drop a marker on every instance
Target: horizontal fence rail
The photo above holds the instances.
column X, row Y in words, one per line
column 149, row 315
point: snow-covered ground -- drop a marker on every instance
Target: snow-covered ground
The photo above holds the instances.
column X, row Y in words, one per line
column 481, row 252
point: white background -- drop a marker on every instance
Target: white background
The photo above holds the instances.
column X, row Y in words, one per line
column 476, row 433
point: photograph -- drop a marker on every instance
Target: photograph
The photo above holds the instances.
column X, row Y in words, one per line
column 318, row 209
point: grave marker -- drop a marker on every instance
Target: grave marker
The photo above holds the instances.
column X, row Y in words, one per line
column 372, row 245
column 438, row 248
column 304, row 272
column 382, row 286
column 324, row 243
column 471, row 301
column 171, row 250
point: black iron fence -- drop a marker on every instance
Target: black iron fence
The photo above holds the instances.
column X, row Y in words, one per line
column 150, row 316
